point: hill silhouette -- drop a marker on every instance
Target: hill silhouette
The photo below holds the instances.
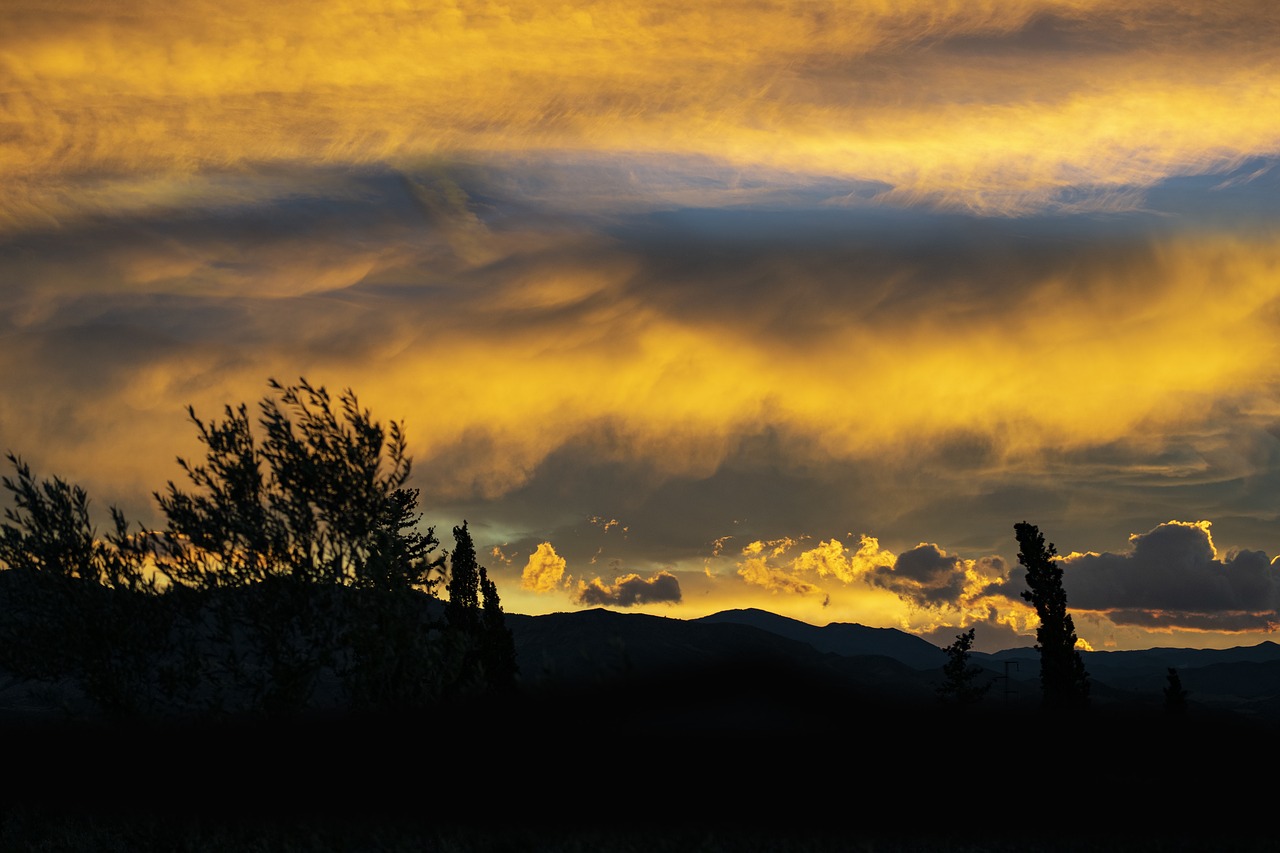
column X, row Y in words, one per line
column 646, row 726
column 762, row 706
column 598, row 647
column 595, row 649
column 841, row 638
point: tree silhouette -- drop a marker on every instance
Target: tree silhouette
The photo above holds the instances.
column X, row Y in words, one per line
column 499, row 644
column 76, row 603
column 463, row 607
column 48, row 530
column 293, row 569
column 321, row 499
column 318, row 504
column 960, row 684
column 1175, row 698
column 475, row 618
column 1064, row 683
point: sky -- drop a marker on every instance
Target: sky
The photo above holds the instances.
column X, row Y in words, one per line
column 791, row 304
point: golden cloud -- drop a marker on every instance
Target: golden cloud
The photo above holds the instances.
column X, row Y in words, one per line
column 827, row 559
column 757, row 571
column 544, row 571
column 832, row 559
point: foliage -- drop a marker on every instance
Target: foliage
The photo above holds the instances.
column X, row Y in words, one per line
column 48, row 531
column 75, row 603
column 463, row 607
column 499, row 644
column 960, row 680
column 322, row 500
column 475, row 619
column 1063, row 680
column 292, row 572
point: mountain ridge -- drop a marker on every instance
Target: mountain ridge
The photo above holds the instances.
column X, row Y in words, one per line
column 601, row 646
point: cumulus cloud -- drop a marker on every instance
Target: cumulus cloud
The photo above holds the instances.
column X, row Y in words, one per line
column 630, row 590
column 756, row 571
column 996, row 627
column 544, row 571
column 770, row 565
column 1174, row 576
column 833, row 559
column 942, row 592
column 755, row 568
column 927, row 576
column 923, row 577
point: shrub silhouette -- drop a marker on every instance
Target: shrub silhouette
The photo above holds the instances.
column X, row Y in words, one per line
column 1175, row 697
column 960, row 680
column 292, row 573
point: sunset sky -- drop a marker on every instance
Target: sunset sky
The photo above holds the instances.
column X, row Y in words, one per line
column 798, row 305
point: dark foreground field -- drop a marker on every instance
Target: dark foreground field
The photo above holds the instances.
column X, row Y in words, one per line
column 706, row 763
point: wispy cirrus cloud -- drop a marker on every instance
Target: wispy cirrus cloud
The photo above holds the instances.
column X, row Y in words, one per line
column 996, row 108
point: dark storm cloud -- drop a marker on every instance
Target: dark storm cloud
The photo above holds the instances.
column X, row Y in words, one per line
column 1173, row 567
column 630, row 590
column 924, row 575
column 927, row 576
column 1172, row 577
column 1163, row 620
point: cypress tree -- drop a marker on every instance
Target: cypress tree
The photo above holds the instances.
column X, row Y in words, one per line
column 474, row 613
column 463, row 607
column 499, row 644
column 1063, row 681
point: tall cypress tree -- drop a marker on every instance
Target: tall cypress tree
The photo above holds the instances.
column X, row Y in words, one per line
column 474, row 612
column 1063, row 681
column 499, row 644
column 463, row 607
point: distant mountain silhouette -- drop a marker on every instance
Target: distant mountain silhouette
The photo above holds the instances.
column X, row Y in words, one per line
column 600, row 647
column 745, row 659
column 841, row 638
column 754, row 702
column 742, row 720
column 603, row 647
